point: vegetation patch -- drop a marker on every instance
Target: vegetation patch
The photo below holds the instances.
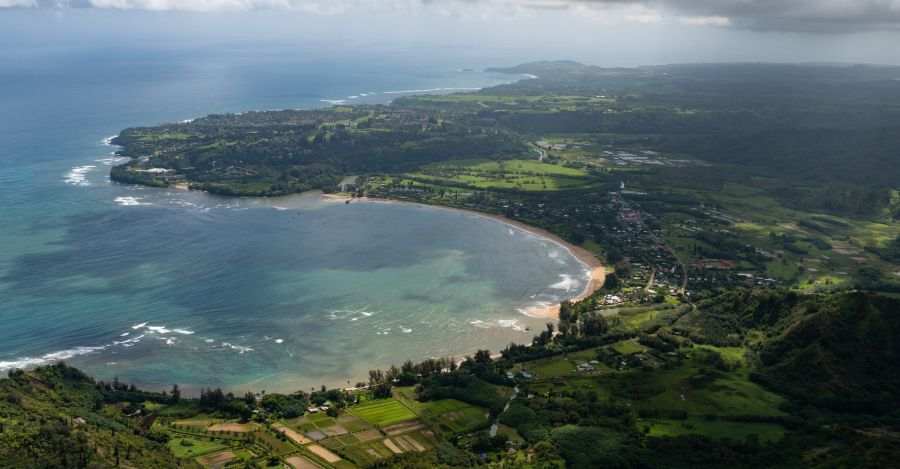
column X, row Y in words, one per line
column 383, row 412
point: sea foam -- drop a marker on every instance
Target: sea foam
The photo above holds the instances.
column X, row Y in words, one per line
column 240, row 348
column 129, row 201
column 30, row 362
column 77, row 176
column 430, row 90
column 567, row 283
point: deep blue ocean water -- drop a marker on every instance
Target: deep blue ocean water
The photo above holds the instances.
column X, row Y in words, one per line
column 158, row 286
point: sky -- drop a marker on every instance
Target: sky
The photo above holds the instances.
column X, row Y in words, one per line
column 601, row 32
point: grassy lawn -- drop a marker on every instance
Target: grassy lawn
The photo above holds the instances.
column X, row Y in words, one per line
column 582, row 355
column 451, row 415
column 529, row 175
column 510, row 433
column 732, row 355
column 277, row 446
column 383, row 412
column 463, row 419
column 321, row 419
column 444, row 405
column 714, row 393
column 627, row 347
column 719, row 429
column 362, row 455
column 407, row 396
column 305, row 427
column 180, row 448
column 302, row 424
column 553, row 367
column 352, row 424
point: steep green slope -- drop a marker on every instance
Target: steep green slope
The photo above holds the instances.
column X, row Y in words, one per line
column 843, row 353
column 56, row 417
column 839, row 350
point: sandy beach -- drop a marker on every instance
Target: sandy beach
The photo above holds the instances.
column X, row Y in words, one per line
column 598, row 272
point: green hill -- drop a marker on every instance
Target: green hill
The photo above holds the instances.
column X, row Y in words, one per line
column 56, row 416
column 842, row 353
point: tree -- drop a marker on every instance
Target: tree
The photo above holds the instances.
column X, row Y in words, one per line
column 544, row 451
column 176, row 395
column 594, row 324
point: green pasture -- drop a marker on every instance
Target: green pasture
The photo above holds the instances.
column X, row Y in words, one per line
column 717, row 429
column 383, row 412
column 186, row 447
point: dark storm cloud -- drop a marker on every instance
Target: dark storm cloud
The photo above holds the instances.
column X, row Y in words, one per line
column 793, row 15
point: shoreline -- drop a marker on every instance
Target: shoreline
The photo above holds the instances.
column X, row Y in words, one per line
column 585, row 257
column 596, row 269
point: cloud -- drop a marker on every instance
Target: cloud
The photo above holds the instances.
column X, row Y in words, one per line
column 18, row 4
column 792, row 15
column 720, row 21
column 789, row 15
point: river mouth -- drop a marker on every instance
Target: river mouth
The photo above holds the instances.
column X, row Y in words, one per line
column 169, row 286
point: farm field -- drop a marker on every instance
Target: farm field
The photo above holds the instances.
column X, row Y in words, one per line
column 702, row 397
column 187, row 447
column 383, row 412
column 527, row 175
column 718, row 429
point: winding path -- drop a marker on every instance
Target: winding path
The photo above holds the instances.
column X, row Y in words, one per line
column 496, row 424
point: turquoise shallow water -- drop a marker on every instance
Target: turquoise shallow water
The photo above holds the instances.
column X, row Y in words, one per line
column 159, row 286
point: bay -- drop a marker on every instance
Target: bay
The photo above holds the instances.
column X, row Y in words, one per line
column 160, row 286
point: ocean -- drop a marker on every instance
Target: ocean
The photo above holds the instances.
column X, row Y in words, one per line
column 160, row 286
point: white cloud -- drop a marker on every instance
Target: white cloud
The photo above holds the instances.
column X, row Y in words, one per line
column 18, row 4
column 720, row 21
column 644, row 19
column 801, row 15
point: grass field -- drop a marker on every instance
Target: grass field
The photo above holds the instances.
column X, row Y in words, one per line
column 321, row 419
column 367, row 453
column 684, row 385
column 383, row 412
column 351, row 423
column 696, row 392
column 278, row 446
column 443, row 406
column 452, row 416
column 732, row 355
column 184, row 447
column 529, row 175
column 718, row 429
column 550, row 368
column 627, row 347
